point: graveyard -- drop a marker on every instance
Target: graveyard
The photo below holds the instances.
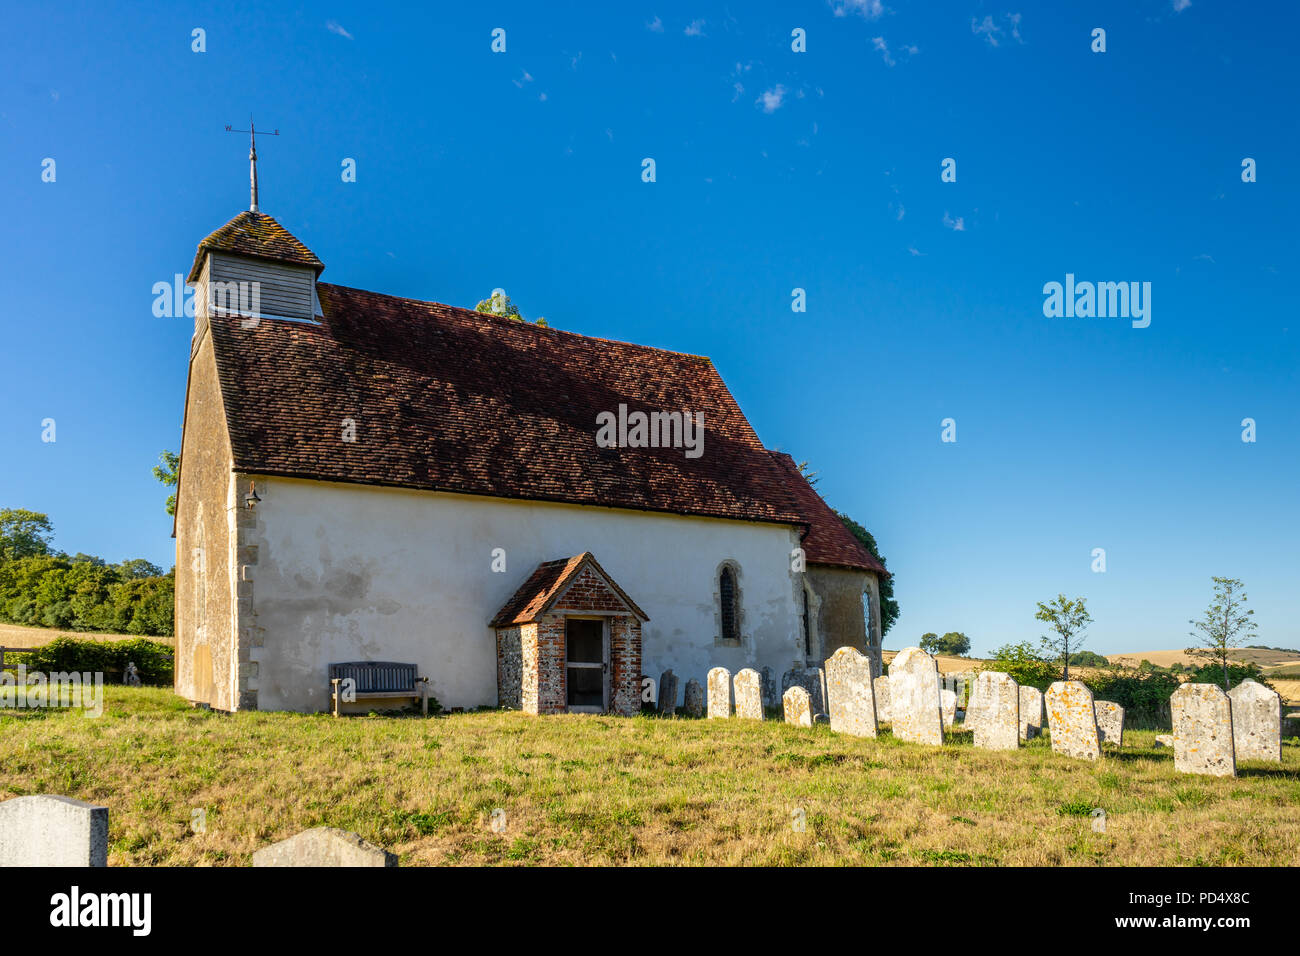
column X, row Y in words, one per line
column 193, row 787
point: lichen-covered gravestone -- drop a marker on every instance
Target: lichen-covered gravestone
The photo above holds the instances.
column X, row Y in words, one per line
column 668, row 692
column 849, row 693
column 324, row 846
column 749, row 694
column 948, row 707
column 999, row 723
column 719, row 692
column 1203, row 730
column 1256, row 722
column 1031, row 712
column 914, row 697
column 880, row 686
column 693, row 698
column 1072, row 721
column 1110, row 722
column 973, row 705
column 797, row 705
column 49, row 830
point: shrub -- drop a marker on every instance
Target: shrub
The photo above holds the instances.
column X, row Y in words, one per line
column 1024, row 664
column 152, row 659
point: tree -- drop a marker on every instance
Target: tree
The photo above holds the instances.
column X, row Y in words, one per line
column 168, row 471
column 498, row 303
column 1067, row 620
column 954, row 643
column 810, row 476
column 24, row 534
column 1226, row 621
column 1025, row 665
column 929, row 642
column 888, row 606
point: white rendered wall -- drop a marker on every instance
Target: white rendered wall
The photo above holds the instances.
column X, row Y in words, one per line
column 352, row 572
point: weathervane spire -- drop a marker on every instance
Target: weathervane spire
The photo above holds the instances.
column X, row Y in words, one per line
column 252, row 159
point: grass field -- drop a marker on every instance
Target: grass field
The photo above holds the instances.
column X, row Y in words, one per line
column 607, row 790
column 15, row 635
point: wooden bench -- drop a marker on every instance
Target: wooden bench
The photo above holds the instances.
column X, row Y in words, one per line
column 376, row 680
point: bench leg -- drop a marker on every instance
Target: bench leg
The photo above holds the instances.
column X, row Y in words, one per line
column 424, row 699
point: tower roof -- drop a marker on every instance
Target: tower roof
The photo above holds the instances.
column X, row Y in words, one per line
column 257, row 235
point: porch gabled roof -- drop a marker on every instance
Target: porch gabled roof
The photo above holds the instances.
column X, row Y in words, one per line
column 545, row 585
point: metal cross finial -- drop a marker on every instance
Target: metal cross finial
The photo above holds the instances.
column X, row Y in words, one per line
column 252, row 157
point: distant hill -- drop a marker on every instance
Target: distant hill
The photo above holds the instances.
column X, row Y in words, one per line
column 1261, row 656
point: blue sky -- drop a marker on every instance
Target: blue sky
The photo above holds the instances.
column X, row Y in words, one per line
column 775, row 170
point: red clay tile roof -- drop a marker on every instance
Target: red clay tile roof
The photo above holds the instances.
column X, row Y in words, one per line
column 453, row 400
column 544, row 585
column 828, row 541
column 258, row 235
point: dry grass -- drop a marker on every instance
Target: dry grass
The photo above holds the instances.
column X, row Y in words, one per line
column 1260, row 656
column 15, row 635
column 606, row 790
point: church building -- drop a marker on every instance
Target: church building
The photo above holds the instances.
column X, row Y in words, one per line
column 365, row 477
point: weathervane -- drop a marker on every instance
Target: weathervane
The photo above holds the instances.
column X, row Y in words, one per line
column 252, row 157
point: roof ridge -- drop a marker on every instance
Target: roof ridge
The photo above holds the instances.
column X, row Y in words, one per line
column 512, row 323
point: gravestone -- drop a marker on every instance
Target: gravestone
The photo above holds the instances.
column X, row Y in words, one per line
column 914, row 697
column 1031, row 712
column 1164, row 740
column 810, row 679
column 999, row 722
column 1110, row 722
column 668, row 692
column 693, row 699
column 1072, row 721
column 850, row 693
column 797, row 703
column 748, row 684
column 1256, row 722
column 973, row 705
column 1203, row 730
column 719, row 692
column 324, row 846
column 948, row 707
column 49, row 830
column 880, row 687
column 769, row 689
column 131, row 676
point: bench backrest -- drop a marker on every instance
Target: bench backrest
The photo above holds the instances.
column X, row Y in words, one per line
column 376, row 675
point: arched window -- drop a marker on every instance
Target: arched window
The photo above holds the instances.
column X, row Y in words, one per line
column 866, row 617
column 727, row 597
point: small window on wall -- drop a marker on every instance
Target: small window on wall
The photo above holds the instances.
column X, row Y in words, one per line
column 866, row 618
column 727, row 598
column 807, row 627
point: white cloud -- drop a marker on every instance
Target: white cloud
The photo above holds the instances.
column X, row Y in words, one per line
column 880, row 44
column 867, row 9
column 914, row 251
column 696, row 29
column 334, row 26
column 772, row 99
column 956, row 225
column 526, row 78
column 1181, row 5
column 992, row 33
column 655, row 26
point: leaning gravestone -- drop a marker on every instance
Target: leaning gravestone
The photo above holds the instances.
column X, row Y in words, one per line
column 999, row 722
column 49, row 830
column 849, row 693
column 1203, row 730
column 324, row 846
column 719, row 692
column 880, row 686
column 1110, row 722
column 1072, row 721
column 1256, row 722
column 1031, row 712
column 749, row 694
column 668, row 692
column 948, row 707
column 914, row 697
column 693, row 699
column 796, row 704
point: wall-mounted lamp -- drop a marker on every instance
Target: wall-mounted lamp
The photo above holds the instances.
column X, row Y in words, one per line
column 251, row 499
